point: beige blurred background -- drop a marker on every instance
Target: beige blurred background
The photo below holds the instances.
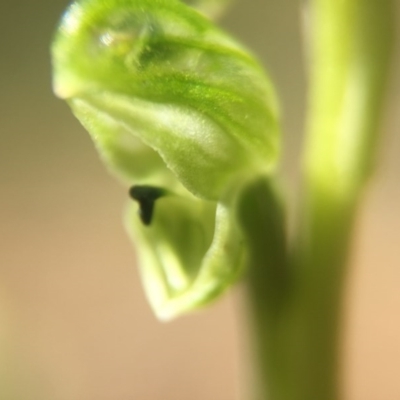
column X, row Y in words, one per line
column 74, row 324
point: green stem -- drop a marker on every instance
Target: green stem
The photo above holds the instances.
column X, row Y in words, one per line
column 296, row 297
column 295, row 302
column 311, row 323
column 262, row 218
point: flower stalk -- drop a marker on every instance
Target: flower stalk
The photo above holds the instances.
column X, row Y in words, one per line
column 350, row 53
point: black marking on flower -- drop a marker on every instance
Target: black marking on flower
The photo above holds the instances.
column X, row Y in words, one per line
column 146, row 197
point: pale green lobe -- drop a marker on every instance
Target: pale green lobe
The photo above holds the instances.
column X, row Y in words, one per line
column 192, row 253
column 173, row 102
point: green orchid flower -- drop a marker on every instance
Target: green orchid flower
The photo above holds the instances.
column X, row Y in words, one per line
column 186, row 118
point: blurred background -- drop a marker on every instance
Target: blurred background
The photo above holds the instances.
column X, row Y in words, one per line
column 74, row 323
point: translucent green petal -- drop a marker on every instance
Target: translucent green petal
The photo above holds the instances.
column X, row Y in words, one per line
column 192, row 251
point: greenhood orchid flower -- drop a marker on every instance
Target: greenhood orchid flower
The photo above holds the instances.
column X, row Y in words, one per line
column 185, row 117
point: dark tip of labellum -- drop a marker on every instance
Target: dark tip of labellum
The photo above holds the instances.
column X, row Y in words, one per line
column 146, row 197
